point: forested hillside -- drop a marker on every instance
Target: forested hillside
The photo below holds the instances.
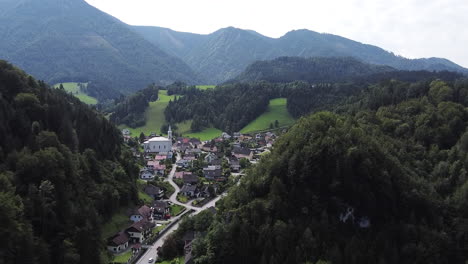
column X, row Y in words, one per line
column 225, row 53
column 230, row 107
column 130, row 110
column 313, row 70
column 384, row 181
column 63, row 172
column 71, row 41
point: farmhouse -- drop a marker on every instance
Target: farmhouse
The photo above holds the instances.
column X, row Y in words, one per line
column 142, row 213
column 118, row 242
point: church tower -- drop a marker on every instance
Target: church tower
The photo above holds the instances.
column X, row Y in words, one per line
column 169, row 133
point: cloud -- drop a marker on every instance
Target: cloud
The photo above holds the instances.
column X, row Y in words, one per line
column 411, row 28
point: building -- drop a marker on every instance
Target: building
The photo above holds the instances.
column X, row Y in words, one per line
column 139, row 231
column 142, row 213
column 161, row 210
column 242, row 153
column 190, row 179
column 234, row 164
column 146, row 175
column 212, row 172
column 189, row 190
column 118, row 242
column 159, row 144
column 154, row 192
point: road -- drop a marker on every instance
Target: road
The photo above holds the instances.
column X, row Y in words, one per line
column 152, row 251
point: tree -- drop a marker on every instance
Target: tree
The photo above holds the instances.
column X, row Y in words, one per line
column 276, row 123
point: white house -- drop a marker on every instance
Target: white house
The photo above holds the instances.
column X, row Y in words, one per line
column 118, row 243
column 146, row 174
column 142, row 213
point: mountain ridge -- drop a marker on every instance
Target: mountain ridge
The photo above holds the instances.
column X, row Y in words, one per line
column 225, row 53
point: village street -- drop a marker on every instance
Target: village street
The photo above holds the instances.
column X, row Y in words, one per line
column 152, row 250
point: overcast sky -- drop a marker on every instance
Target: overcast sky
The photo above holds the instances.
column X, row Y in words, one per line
column 411, row 28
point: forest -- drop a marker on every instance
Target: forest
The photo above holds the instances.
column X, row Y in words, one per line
column 63, row 172
column 232, row 106
column 381, row 179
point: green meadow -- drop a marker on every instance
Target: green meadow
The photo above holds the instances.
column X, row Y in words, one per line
column 205, row 87
column 73, row 88
column 205, row 134
column 276, row 111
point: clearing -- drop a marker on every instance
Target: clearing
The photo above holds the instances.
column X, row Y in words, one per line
column 204, row 135
column 73, row 88
column 205, row 87
column 276, row 111
column 154, row 116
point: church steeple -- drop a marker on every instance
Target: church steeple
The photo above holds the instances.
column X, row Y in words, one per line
column 169, row 133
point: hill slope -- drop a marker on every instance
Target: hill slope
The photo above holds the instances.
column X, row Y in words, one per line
column 63, row 173
column 69, row 40
column 313, row 70
column 221, row 55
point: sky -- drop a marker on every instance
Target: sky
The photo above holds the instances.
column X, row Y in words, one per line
column 410, row 28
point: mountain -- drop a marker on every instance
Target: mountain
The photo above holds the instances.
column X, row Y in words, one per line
column 64, row 172
column 69, row 40
column 224, row 54
column 313, row 70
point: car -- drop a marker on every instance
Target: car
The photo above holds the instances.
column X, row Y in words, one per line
column 150, row 260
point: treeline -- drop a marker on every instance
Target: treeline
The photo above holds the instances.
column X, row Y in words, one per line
column 313, row 70
column 63, row 172
column 385, row 181
column 131, row 110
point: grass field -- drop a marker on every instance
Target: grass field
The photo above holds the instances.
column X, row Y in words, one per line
column 123, row 258
column 205, row 87
column 206, row 134
column 276, row 111
column 176, row 209
column 154, row 116
column 119, row 221
column 72, row 87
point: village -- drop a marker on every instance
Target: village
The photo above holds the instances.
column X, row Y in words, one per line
column 181, row 175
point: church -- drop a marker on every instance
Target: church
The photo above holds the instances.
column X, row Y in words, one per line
column 159, row 144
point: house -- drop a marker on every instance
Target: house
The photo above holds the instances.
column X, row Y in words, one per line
column 212, row 172
column 184, row 163
column 118, row 242
column 161, row 210
column 190, row 179
column 146, row 174
column 205, row 191
column 237, row 135
column 160, row 157
column 142, row 213
column 210, row 157
column 242, row 153
column 153, row 191
column 180, row 174
column 126, row 132
column 209, row 147
column 195, row 152
column 139, row 231
column 158, row 169
column 195, row 142
column 258, row 136
column 216, row 162
column 234, row 164
column 189, row 190
column 225, row 135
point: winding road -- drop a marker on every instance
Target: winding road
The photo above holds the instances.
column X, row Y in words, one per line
column 152, row 251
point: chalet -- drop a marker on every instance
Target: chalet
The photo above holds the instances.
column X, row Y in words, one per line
column 142, row 213
column 210, row 147
column 195, row 142
column 242, row 153
column 189, row 190
column 139, row 231
column 146, row 174
column 161, row 210
column 118, row 242
column 180, row 174
column 212, row 172
column 159, row 169
column 190, row 179
column 225, row 135
column 210, row 157
column 154, row 192
column 184, row 163
column 234, row 164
